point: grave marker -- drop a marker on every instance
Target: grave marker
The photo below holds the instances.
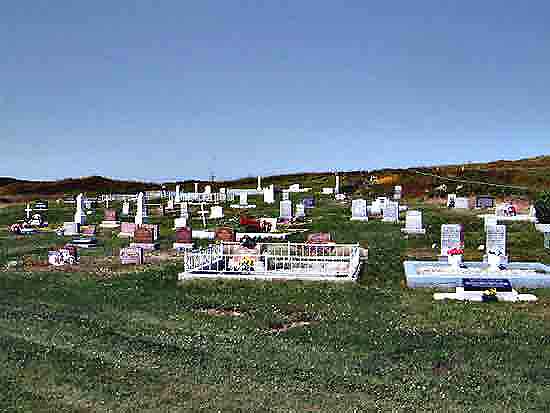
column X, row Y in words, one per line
column 359, row 210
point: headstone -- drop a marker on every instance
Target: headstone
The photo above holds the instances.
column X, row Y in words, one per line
column 269, row 194
column 170, row 204
column 71, row 228
column 184, row 235
column 28, row 210
column 300, row 210
column 216, row 212
column 89, row 230
column 41, row 205
column 131, row 255
column 110, row 215
column 490, row 221
column 208, row 189
column 397, row 191
column 154, row 228
column 359, row 210
column 243, row 198
column 180, row 222
column 452, row 236
column 141, row 215
column 126, row 208
column 309, row 202
column 285, row 209
column 178, row 195
column 294, row 188
column 337, row 185
column 319, row 238
column 462, row 203
column 225, row 234
column 495, row 245
column 485, row 201
column 80, row 214
column 413, row 223
column 390, row 212
column 127, row 229
column 483, row 284
column 259, row 187
column 451, row 198
column 286, row 196
column 327, row 191
column 196, row 188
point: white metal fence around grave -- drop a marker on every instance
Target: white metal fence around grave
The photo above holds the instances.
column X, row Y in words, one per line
column 330, row 262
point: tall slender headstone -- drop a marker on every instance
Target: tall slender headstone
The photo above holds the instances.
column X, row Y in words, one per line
column 178, row 194
column 141, row 215
column 126, row 208
column 28, row 210
column 496, row 245
column 80, row 214
column 269, row 194
column 259, row 188
column 337, row 185
column 196, row 188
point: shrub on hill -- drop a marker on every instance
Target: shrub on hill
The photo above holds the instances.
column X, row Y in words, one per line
column 542, row 207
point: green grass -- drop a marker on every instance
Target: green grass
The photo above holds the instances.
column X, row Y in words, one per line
column 72, row 342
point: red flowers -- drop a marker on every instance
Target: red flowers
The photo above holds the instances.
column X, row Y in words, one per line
column 455, row 251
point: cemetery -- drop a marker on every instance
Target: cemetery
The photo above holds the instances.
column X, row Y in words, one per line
column 373, row 269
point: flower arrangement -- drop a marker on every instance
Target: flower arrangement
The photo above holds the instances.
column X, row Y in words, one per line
column 489, row 295
column 455, row 251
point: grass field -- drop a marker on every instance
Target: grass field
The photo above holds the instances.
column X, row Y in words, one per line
column 79, row 342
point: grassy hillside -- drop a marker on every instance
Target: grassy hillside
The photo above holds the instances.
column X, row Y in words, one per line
column 522, row 177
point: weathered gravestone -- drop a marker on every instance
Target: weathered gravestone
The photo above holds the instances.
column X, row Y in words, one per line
column 144, row 238
column 300, row 210
column 496, row 245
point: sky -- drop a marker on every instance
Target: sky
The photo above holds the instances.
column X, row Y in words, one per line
column 174, row 90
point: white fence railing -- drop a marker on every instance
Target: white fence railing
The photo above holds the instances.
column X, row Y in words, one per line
column 277, row 259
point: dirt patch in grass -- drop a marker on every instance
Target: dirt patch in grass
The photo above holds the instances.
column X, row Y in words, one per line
column 277, row 327
column 223, row 312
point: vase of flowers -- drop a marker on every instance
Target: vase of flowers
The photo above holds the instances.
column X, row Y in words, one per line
column 489, row 296
column 455, row 257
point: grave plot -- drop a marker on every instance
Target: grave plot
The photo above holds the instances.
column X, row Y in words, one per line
column 450, row 270
column 269, row 261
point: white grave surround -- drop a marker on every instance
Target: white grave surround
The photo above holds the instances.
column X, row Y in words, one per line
column 216, row 212
column 413, row 223
column 285, row 209
column 390, row 212
column 452, row 236
column 495, row 246
column 359, row 210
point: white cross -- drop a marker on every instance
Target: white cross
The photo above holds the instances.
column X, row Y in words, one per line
column 28, row 210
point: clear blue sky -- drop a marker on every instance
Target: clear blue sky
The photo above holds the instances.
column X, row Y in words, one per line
column 176, row 89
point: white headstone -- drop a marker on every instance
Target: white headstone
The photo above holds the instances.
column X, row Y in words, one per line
column 286, row 196
column 177, row 199
column 259, row 188
column 207, row 189
column 328, row 191
column 462, row 203
column 397, row 190
column 496, row 240
column 359, row 210
column 337, row 185
column 451, row 237
column 141, row 214
column 490, row 221
column 196, row 188
column 300, row 210
column 184, row 212
column 126, row 208
column 28, row 210
column 285, row 209
column 216, row 212
column 413, row 223
column 294, row 188
column 269, row 194
column 243, row 198
column 390, row 212
column 451, row 198
column 170, row 204
column 80, row 214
